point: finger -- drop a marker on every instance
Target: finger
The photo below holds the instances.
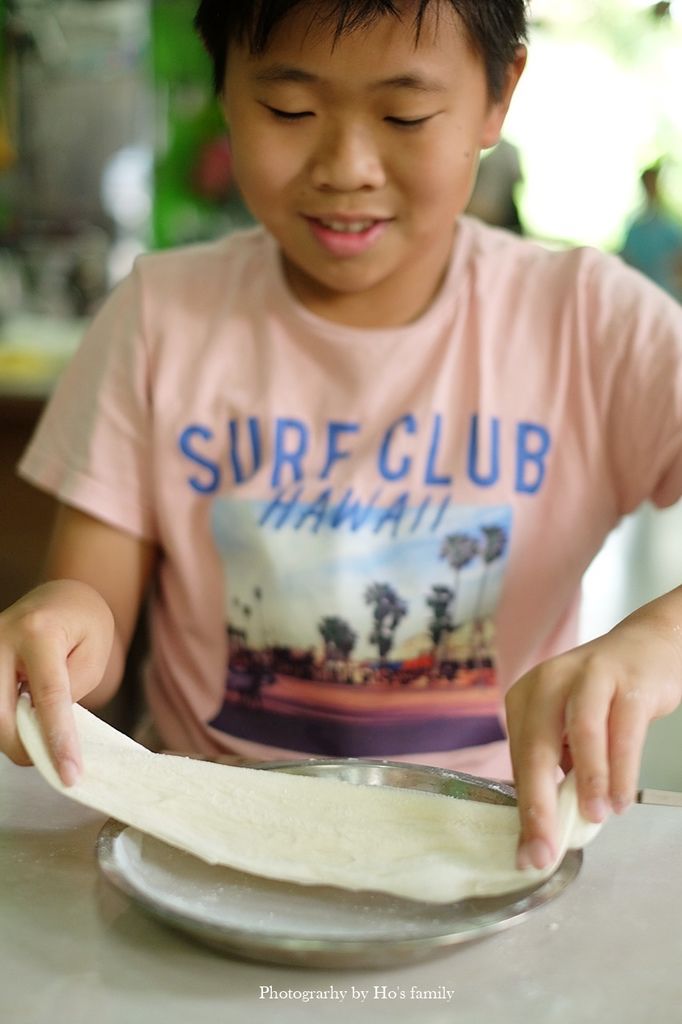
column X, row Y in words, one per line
column 51, row 692
column 587, row 716
column 628, row 725
column 515, row 705
column 537, row 801
column 10, row 743
column 538, row 749
column 86, row 664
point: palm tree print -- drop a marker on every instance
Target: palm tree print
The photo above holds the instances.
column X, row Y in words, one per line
column 339, row 638
column 439, row 601
column 258, row 597
column 494, row 546
column 389, row 609
column 459, row 550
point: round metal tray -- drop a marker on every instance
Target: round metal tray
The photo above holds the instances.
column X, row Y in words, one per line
column 317, row 926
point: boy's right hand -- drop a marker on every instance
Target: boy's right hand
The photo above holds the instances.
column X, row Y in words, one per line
column 55, row 642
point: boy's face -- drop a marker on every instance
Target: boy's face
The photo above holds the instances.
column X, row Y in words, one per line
column 359, row 155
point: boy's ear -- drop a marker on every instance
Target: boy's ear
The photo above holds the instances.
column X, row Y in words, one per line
column 497, row 111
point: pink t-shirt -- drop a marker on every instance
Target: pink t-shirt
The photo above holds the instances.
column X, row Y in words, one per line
column 366, row 536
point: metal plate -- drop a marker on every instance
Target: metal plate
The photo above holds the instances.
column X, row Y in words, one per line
column 317, row 926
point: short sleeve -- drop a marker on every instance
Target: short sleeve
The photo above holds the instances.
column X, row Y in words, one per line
column 636, row 331
column 92, row 446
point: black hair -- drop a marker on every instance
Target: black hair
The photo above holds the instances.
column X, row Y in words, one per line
column 495, row 27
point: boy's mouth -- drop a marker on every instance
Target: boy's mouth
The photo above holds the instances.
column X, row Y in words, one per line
column 350, row 227
column 347, row 236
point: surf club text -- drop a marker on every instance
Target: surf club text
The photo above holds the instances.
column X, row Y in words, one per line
column 400, row 455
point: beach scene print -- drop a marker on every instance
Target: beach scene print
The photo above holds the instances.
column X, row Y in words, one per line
column 367, row 635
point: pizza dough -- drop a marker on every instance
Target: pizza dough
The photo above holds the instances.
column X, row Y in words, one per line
column 296, row 828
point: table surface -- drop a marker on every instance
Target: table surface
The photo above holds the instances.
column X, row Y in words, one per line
column 74, row 950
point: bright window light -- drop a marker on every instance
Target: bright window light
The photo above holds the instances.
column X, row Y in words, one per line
column 587, row 121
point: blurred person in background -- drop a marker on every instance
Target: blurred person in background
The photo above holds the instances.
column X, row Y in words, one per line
column 653, row 244
column 494, row 196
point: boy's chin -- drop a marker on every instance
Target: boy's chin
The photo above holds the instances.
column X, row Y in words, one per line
column 346, row 279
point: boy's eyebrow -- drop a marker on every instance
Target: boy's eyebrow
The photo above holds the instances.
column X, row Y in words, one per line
column 288, row 73
column 284, row 73
column 417, row 82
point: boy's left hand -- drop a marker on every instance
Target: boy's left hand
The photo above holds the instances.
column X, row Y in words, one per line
column 590, row 709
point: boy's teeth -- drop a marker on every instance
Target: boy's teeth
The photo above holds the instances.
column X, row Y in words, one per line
column 347, row 227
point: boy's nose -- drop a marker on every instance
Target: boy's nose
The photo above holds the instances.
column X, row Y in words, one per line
column 347, row 160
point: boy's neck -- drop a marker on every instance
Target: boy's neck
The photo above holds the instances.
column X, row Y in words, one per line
column 382, row 306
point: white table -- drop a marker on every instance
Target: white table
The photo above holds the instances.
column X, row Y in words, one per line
column 73, row 951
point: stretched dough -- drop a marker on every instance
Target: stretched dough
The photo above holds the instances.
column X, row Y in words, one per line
column 314, row 831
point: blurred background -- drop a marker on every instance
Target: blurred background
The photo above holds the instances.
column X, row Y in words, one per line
column 112, row 144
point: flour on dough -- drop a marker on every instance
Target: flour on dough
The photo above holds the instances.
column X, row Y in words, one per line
column 296, row 828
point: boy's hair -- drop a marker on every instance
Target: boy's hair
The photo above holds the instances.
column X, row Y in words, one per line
column 495, row 27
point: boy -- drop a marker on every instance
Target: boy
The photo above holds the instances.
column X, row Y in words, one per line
column 366, row 452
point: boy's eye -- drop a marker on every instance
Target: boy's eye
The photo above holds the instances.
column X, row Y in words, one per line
column 288, row 115
column 409, row 122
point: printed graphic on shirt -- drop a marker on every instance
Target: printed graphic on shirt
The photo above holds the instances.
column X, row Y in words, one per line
column 365, row 635
column 410, row 451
